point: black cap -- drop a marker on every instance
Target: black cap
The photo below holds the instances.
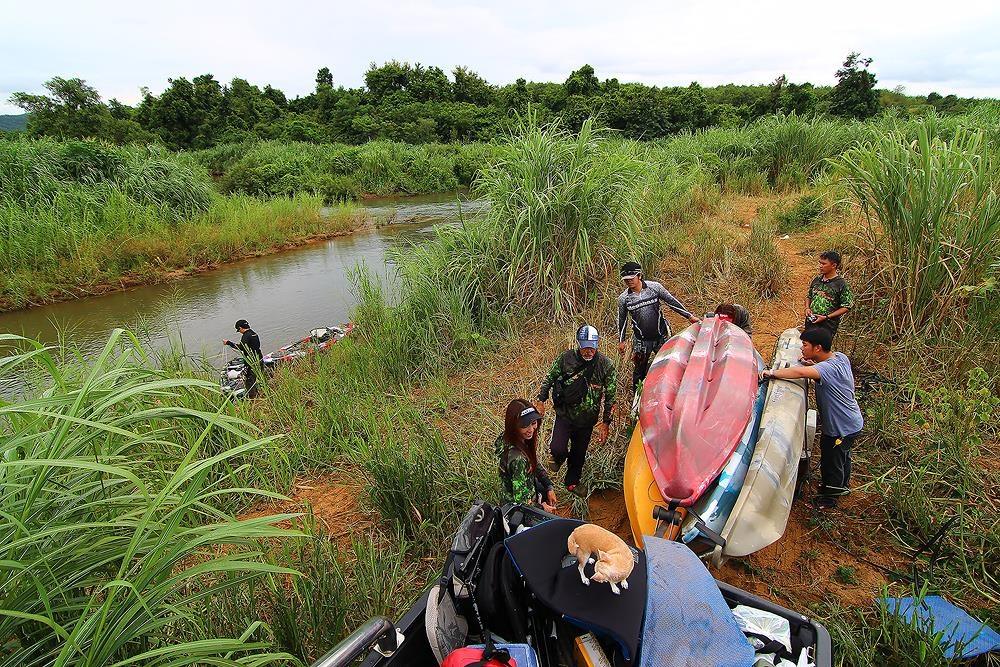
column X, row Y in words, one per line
column 527, row 416
column 242, row 324
column 630, row 269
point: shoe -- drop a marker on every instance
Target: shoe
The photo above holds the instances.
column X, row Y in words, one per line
column 825, row 502
column 578, row 489
column 834, row 491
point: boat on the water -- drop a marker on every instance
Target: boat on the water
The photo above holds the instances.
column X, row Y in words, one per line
column 508, row 574
column 232, row 378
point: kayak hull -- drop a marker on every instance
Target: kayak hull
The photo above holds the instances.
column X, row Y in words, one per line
column 716, row 504
column 642, row 495
column 761, row 511
column 697, row 399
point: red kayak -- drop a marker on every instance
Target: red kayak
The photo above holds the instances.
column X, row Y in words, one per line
column 696, row 401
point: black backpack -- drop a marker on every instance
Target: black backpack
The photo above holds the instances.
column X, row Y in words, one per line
column 570, row 390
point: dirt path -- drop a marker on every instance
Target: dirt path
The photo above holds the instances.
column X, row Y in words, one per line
column 836, row 556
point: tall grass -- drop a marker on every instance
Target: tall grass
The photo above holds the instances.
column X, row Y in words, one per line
column 79, row 213
column 935, row 215
column 112, row 527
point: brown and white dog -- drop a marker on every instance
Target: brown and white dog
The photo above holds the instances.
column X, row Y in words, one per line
column 614, row 558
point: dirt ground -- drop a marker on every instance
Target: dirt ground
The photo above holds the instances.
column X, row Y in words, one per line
column 841, row 556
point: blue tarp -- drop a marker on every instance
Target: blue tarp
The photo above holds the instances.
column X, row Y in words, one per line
column 687, row 621
column 939, row 615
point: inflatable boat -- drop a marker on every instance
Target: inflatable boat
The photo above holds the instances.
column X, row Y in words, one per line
column 508, row 577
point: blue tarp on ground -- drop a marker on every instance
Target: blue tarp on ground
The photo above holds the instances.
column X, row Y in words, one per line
column 687, row 621
column 957, row 626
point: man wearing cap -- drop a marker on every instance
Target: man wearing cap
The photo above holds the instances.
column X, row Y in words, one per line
column 579, row 380
column 249, row 347
column 838, row 409
column 641, row 300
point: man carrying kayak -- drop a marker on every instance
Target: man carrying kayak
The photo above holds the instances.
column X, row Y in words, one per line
column 641, row 301
column 578, row 380
column 829, row 297
column 838, row 409
column 249, row 347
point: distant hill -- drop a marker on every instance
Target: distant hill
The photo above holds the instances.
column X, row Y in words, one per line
column 13, row 123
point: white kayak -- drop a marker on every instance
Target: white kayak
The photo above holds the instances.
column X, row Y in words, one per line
column 761, row 511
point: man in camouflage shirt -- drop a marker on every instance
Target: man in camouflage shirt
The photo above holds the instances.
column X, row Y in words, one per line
column 829, row 296
column 580, row 380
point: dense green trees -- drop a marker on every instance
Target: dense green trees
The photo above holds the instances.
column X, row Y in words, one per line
column 854, row 95
column 420, row 104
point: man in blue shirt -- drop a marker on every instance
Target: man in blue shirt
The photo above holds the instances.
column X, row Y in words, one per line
column 838, row 409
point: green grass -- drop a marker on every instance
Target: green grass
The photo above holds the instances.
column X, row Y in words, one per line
column 339, row 172
column 935, row 213
column 875, row 637
column 78, row 214
column 114, row 525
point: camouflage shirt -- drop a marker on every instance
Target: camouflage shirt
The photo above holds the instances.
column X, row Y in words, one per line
column 519, row 482
column 826, row 296
column 602, row 385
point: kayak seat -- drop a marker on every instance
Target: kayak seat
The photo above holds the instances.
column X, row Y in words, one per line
column 539, row 554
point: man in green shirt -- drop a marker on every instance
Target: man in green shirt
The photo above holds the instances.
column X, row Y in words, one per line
column 829, row 296
column 580, row 381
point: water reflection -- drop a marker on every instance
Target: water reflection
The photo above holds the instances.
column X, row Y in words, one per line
column 282, row 295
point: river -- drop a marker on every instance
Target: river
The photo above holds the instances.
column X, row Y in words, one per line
column 282, row 295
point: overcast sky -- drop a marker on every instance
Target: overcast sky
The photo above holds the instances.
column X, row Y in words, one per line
column 118, row 47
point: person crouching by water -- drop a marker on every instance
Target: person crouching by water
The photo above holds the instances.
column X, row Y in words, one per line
column 249, row 347
column 523, row 479
column 578, row 380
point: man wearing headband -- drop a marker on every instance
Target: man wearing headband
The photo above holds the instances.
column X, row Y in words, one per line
column 641, row 301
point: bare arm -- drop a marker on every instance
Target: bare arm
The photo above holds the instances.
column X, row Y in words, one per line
column 793, row 373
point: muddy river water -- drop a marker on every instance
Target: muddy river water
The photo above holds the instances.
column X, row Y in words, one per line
column 282, row 295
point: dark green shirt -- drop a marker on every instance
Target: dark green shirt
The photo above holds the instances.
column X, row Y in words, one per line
column 602, row 385
column 826, row 296
column 520, row 483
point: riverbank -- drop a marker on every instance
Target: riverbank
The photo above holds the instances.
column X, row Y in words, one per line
column 233, row 229
column 79, row 218
column 400, row 416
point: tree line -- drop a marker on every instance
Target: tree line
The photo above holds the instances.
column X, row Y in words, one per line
column 422, row 104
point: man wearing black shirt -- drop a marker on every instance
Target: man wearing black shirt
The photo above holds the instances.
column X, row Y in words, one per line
column 249, row 347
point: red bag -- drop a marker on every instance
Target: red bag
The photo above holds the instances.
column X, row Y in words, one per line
column 473, row 657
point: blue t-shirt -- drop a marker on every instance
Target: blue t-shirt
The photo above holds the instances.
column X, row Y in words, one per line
column 835, row 395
